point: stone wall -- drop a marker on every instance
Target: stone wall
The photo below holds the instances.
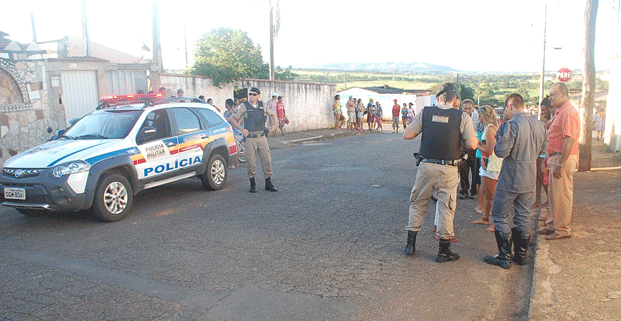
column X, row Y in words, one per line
column 24, row 122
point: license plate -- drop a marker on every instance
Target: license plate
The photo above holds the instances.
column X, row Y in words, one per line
column 13, row 193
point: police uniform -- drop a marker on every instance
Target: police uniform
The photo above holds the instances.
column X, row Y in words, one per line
column 443, row 128
column 256, row 141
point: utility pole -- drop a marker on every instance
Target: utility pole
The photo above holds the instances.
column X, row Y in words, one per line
column 157, row 45
column 543, row 62
column 87, row 41
column 185, row 44
column 588, row 86
column 34, row 31
column 271, row 39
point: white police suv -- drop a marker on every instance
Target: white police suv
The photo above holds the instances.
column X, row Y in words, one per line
column 130, row 143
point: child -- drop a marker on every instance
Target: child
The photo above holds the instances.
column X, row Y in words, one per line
column 378, row 117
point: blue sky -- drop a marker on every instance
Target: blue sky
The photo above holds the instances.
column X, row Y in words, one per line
column 476, row 35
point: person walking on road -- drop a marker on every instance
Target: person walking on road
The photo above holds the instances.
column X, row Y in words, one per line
column 254, row 115
column 282, row 115
column 563, row 152
column 520, row 141
column 395, row 117
column 404, row 115
column 443, row 128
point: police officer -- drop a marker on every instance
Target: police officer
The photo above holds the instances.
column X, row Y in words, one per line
column 255, row 132
column 443, row 128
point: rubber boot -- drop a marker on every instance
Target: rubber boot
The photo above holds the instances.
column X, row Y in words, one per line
column 445, row 254
column 410, row 248
column 520, row 246
column 503, row 258
column 269, row 186
column 253, row 185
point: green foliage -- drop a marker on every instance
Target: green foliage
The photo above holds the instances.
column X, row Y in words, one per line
column 466, row 92
column 225, row 55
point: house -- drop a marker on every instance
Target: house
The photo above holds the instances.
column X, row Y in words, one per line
column 44, row 85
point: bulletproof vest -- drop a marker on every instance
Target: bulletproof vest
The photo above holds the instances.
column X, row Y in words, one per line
column 441, row 137
column 255, row 117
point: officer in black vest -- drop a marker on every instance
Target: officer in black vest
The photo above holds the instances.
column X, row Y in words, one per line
column 443, row 129
column 255, row 132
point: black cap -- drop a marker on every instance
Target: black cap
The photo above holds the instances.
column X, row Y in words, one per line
column 255, row 90
column 446, row 88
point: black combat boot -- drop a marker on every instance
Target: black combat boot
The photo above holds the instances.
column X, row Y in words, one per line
column 445, row 254
column 520, row 245
column 410, row 248
column 269, row 186
column 503, row 258
column 253, row 185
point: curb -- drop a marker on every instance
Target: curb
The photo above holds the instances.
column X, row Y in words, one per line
column 279, row 143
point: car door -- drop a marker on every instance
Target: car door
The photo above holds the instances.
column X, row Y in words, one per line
column 191, row 133
column 158, row 150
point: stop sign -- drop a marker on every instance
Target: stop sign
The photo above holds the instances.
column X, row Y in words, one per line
column 563, row 75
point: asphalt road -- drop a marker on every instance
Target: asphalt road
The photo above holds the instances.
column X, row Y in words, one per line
column 327, row 246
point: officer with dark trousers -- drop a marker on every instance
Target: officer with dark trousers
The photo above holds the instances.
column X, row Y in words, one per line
column 443, row 129
column 255, row 133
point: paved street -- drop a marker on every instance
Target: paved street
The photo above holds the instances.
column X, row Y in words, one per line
column 327, row 246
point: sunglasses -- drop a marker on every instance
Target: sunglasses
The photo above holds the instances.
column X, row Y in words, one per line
column 253, row 94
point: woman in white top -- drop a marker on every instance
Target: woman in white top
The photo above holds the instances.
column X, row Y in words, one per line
column 490, row 163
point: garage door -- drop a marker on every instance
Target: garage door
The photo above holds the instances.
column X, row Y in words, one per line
column 80, row 95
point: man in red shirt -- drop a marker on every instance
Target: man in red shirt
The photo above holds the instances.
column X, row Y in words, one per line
column 395, row 117
column 563, row 152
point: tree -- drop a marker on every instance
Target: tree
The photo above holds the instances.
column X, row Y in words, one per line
column 588, row 85
column 466, row 92
column 225, row 55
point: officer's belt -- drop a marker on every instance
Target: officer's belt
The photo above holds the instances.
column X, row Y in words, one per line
column 556, row 154
column 442, row 161
column 255, row 135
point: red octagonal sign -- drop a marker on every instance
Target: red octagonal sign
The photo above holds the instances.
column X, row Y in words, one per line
column 564, row 75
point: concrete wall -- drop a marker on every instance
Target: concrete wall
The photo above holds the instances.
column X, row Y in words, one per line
column 308, row 105
column 194, row 86
column 612, row 134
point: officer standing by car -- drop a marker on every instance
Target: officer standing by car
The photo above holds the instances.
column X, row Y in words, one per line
column 443, row 128
column 255, row 132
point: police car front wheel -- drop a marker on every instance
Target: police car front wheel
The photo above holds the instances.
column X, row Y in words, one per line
column 113, row 198
column 215, row 174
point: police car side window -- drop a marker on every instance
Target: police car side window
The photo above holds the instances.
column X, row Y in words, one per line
column 159, row 120
column 212, row 118
column 186, row 120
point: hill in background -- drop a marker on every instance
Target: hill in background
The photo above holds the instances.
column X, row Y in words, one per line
column 383, row 67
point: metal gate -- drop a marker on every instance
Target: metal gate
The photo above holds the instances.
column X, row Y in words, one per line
column 125, row 82
column 79, row 93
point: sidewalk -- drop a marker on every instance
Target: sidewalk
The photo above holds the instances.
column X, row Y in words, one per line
column 297, row 138
column 580, row 278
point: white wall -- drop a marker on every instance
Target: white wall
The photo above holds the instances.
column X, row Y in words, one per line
column 612, row 134
column 308, row 105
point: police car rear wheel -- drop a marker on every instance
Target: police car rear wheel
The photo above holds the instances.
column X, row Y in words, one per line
column 216, row 173
column 113, row 198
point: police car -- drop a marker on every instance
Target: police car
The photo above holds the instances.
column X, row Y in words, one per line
column 129, row 144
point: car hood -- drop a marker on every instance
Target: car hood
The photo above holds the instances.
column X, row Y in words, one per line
column 57, row 152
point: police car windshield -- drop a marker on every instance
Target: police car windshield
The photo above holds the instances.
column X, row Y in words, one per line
column 105, row 124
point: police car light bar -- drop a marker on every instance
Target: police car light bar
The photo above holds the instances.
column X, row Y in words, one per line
column 115, row 99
